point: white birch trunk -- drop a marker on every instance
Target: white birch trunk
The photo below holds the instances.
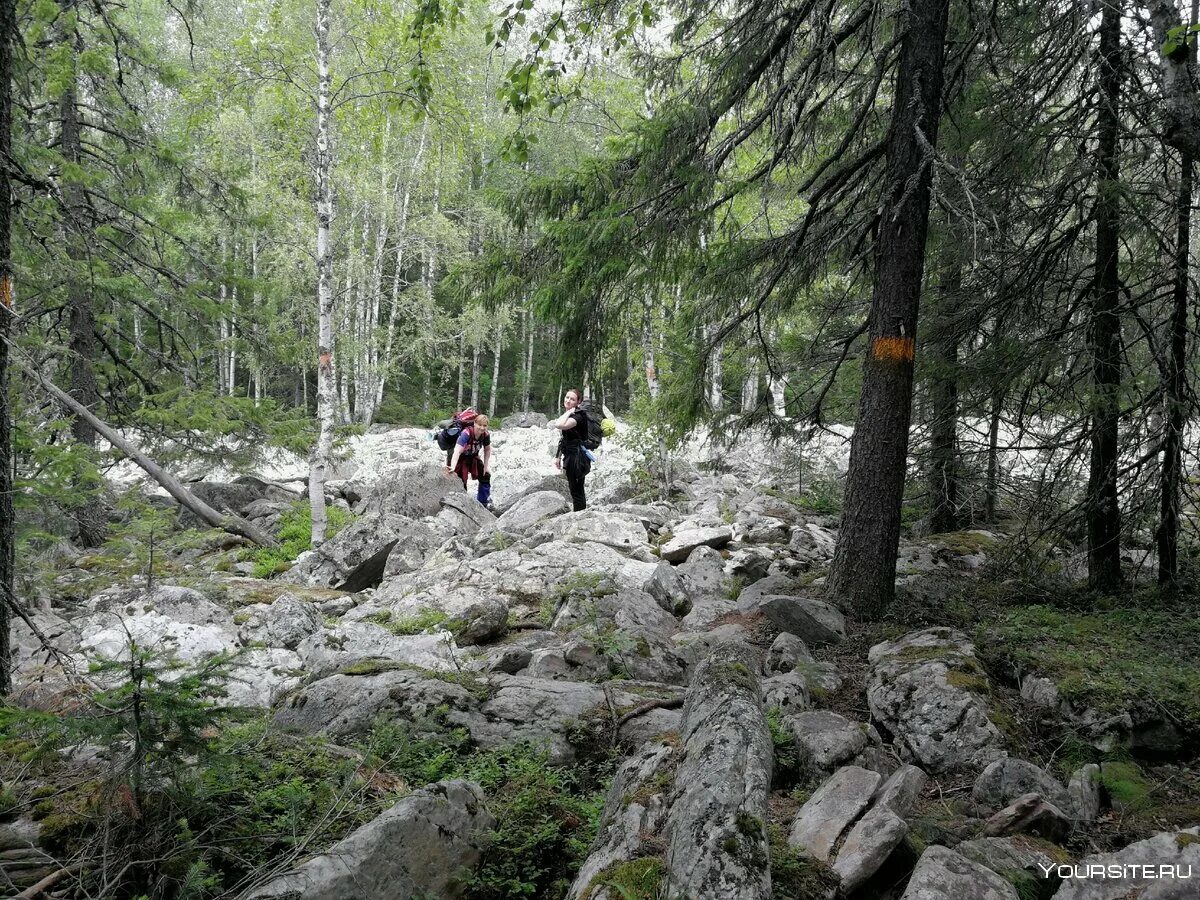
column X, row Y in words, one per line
column 475, row 375
column 326, row 392
column 750, row 385
column 401, row 234
column 648, row 343
column 496, row 367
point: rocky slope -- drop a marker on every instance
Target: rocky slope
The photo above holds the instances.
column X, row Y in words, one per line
column 767, row 751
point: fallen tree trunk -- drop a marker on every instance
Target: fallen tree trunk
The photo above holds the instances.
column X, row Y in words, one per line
column 230, row 522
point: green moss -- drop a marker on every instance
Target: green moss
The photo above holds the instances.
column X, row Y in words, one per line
column 418, row 623
column 660, row 785
column 968, row 681
column 1112, row 660
column 967, row 543
column 795, row 876
column 1127, row 787
column 1184, row 839
column 636, row 879
column 734, row 586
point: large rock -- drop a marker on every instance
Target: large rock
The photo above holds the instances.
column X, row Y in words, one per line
column 813, row 621
column 413, row 491
column 181, row 604
column 785, row 653
column 942, row 874
column 463, row 514
column 1163, row 867
column 634, row 814
column 902, row 790
column 343, row 705
column 330, row 563
column 703, row 577
column 421, row 847
column 1030, row 857
column 332, row 649
column 532, row 509
column 1029, row 814
column 284, row 623
column 925, row 690
column 831, row 810
column 717, row 836
column 109, row 636
column 829, row 738
column 233, row 496
column 684, row 541
column 867, row 846
column 1008, row 778
column 525, row 420
column 608, row 527
column 1084, row 791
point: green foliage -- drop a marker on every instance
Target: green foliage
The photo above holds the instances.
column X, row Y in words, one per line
column 792, row 763
column 295, row 536
column 795, row 875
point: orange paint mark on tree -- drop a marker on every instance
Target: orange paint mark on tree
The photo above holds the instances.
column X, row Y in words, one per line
column 6, row 297
column 893, row 349
column 325, row 360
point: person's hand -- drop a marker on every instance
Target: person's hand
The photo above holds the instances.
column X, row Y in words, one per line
column 449, row 470
column 557, row 463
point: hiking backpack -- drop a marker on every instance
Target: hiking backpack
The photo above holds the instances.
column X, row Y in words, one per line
column 448, row 436
column 594, row 434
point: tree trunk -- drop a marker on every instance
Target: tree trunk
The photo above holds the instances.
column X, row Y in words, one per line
column 863, row 574
column 401, row 235
column 89, row 515
column 943, row 395
column 229, row 522
column 750, row 385
column 496, row 368
column 648, row 348
column 8, row 525
column 991, row 484
column 1103, row 510
column 528, row 389
column 716, row 393
column 326, row 389
column 1176, row 373
column 475, row 376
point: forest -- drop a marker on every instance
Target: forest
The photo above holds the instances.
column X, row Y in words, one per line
column 892, row 541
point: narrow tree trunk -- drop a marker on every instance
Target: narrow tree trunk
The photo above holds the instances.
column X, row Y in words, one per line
column 496, row 368
column 8, row 525
column 750, row 385
column 991, row 484
column 89, row 515
column 525, row 400
column 475, row 376
column 326, row 390
column 231, row 387
column 648, row 348
column 1103, row 510
column 458, row 402
column 943, row 396
column 863, row 574
column 716, row 393
column 1176, row 374
column 228, row 522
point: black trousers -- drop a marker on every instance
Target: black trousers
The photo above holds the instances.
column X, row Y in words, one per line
column 576, row 465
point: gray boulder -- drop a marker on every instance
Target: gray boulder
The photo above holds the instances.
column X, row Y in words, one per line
column 481, row 622
column 284, row 623
column 687, row 539
column 717, row 836
column 1008, row 856
column 532, row 509
column 867, row 846
column 1008, row 778
column 332, row 561
column 342, row 705
column 902, row 790
column 942, row 874
column 1030, row 814
column 703, row 576
column 463, row 514
column 925, row 689
column 814, row 621
column 831, row 809
column 787, row 692
column 413, row 491
column 329, row 650
column 829, row 738
column 1084, row 792
column 525, row 420
column 421, row 847
column 1143, row 867
column 785, row 653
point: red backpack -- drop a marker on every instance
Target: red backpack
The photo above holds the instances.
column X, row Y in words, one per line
column 448, row 436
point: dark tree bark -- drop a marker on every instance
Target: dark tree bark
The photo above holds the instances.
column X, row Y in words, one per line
column 864, row 567
column 8, row 525
column 992, row 483
column 1103, row 510
column 1175, row 376
column 89, row 514
column 943, row 396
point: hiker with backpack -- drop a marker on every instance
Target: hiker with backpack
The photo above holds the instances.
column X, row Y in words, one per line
column 572, row 455
column 468, row 445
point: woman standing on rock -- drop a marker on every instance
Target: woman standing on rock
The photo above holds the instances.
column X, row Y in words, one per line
column 572, row 456
column 473, row 458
